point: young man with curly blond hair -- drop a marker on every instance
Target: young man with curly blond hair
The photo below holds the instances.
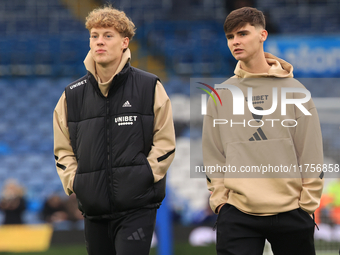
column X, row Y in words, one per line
column 114, row 140
column 270, row 205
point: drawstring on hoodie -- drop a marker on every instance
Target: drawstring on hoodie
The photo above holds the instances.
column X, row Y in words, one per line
column 316, row 225
column 215, row 226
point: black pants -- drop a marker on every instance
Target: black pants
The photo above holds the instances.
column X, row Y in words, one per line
column 289, row 233
column 130, row 234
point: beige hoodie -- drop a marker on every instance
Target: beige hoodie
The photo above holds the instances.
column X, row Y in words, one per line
column 163, row 138
column 241, row 145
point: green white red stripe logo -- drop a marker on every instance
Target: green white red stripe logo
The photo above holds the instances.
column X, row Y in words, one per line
column 213, row 90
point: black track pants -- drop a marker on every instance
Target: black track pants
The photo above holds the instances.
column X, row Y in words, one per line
column 289, row 233
column 127, row 235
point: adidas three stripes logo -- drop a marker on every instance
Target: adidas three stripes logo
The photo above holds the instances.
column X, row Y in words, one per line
column 137, row 235
column 258, row 136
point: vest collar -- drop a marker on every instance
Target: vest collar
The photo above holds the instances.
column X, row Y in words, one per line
column 117, row 81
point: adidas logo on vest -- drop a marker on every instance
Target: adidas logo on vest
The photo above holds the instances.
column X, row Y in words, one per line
column 126, row 104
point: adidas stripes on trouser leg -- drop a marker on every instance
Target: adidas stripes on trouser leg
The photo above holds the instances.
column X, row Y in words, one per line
column 130, row 234
column 289, row 233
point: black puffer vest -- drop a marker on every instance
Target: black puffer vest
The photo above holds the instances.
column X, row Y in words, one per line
column 111, row 138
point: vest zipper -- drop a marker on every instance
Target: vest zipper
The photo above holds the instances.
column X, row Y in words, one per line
column 108, row 151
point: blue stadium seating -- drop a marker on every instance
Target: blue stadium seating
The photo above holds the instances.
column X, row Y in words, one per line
column 42, row 48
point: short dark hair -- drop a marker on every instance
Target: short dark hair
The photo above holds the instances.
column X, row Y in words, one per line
column 240, row 17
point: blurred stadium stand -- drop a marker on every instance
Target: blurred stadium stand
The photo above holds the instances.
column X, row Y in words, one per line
column 43, row 44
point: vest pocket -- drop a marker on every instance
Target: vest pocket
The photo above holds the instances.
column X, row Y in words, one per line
column 159, row 190
column 131, row 187
column 91, row 192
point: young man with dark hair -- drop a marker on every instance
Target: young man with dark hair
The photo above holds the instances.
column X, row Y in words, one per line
column 114, row 141
column 254, row 207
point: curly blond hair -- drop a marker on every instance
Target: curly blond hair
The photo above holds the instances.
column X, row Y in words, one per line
column 108, row 16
